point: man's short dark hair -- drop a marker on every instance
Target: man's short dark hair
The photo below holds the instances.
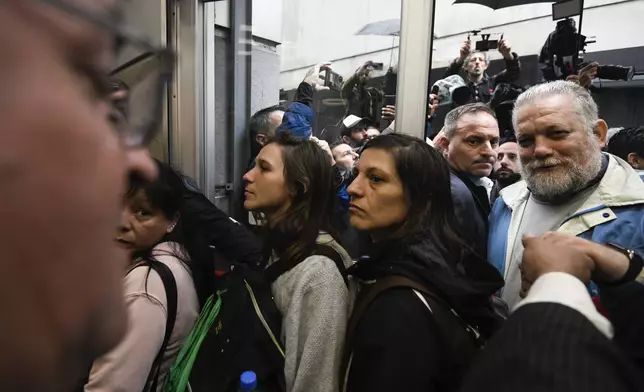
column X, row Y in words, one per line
column 452, row 118
column 260, row 121
column 626, row 141
column 336, row 142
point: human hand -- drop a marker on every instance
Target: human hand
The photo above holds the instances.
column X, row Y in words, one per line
column 433, row 105
column 505, row 49
column 466, row 48
column 585, row 76
column 610, row 264
column 545, row 254
column 313, row 77
column 324, row 146
column 388, row 112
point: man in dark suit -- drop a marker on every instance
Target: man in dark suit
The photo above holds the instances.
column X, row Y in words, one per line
column 556, row 340
column 468, row 141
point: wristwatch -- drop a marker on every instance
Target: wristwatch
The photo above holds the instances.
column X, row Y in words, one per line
column 635, row 266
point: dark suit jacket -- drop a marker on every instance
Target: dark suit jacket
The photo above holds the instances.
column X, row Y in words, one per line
column 472, row 211
column 551, row 347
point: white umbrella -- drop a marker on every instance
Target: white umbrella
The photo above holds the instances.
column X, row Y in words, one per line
column 389, row 27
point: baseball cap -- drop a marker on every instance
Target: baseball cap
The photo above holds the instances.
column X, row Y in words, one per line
column 351, row 121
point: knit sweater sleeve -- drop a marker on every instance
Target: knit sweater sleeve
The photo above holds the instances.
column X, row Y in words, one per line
column 314, row 324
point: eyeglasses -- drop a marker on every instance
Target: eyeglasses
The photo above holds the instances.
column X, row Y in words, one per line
column 137, row 100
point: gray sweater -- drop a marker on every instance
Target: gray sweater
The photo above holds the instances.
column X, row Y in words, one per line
column 315, row 305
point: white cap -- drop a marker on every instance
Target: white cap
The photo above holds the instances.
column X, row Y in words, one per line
column 351, row 121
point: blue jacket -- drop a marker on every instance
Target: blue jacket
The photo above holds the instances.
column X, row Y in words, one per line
column 614, row 213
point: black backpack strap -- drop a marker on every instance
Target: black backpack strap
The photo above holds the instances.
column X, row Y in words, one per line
column 278, row 268
column 439, row 308
column 170, row 285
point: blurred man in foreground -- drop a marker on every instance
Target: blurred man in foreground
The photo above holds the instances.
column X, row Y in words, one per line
column 63, row 171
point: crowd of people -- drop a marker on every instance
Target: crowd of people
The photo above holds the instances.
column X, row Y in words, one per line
column 480, row 261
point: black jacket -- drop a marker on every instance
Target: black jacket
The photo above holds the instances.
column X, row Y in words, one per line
column 397, row 345
column 482, row 92
column 472, row 210
column 551, row 347
column 231, row 239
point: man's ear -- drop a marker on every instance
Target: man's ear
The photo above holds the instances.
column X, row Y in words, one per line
column 260, row 138
column 635, row 161
column 442, row 142
column 346, row 139
column 601, row 130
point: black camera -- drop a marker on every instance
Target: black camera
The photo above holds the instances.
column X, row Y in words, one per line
column 485, row 44
column 615, row 72
column 333, row 80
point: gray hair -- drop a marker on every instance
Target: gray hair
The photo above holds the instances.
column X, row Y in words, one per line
column 585, row 107
column 452, row 118
column 486, row 57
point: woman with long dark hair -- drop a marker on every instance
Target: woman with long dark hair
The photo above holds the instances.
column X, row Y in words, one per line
column 423, row 306
column 291, row 187
column 157, row 227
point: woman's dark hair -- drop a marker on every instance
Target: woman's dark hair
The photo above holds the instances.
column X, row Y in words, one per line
column 167, row 194
column 308, row 174
column 425, row 177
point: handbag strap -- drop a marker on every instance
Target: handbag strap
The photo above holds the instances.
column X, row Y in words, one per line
column 170, row 285
column 369, row 292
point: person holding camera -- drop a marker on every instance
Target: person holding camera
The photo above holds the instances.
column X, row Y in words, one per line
column 474, row 63
column 363, row 100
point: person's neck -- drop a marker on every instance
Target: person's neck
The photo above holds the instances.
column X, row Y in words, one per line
column 468, row 175
column 475, row 78
column 274, row 216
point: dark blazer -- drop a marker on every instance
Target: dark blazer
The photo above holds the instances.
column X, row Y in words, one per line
column 551, row 347
column 472, row 209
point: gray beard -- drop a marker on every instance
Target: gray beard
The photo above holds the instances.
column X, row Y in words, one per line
column 573, row 176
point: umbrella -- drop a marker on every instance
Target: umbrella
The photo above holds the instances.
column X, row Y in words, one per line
column 390, row 27
column 498, row 4
column 383, row 27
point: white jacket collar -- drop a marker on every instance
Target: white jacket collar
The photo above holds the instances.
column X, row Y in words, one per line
column 620, row 186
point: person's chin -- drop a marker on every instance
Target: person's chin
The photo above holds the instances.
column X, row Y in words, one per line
column 482, row 172
column 249, row 205
column 358, row 223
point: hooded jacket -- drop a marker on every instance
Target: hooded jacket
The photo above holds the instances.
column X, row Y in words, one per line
column 298, row 118
column 397, row 344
